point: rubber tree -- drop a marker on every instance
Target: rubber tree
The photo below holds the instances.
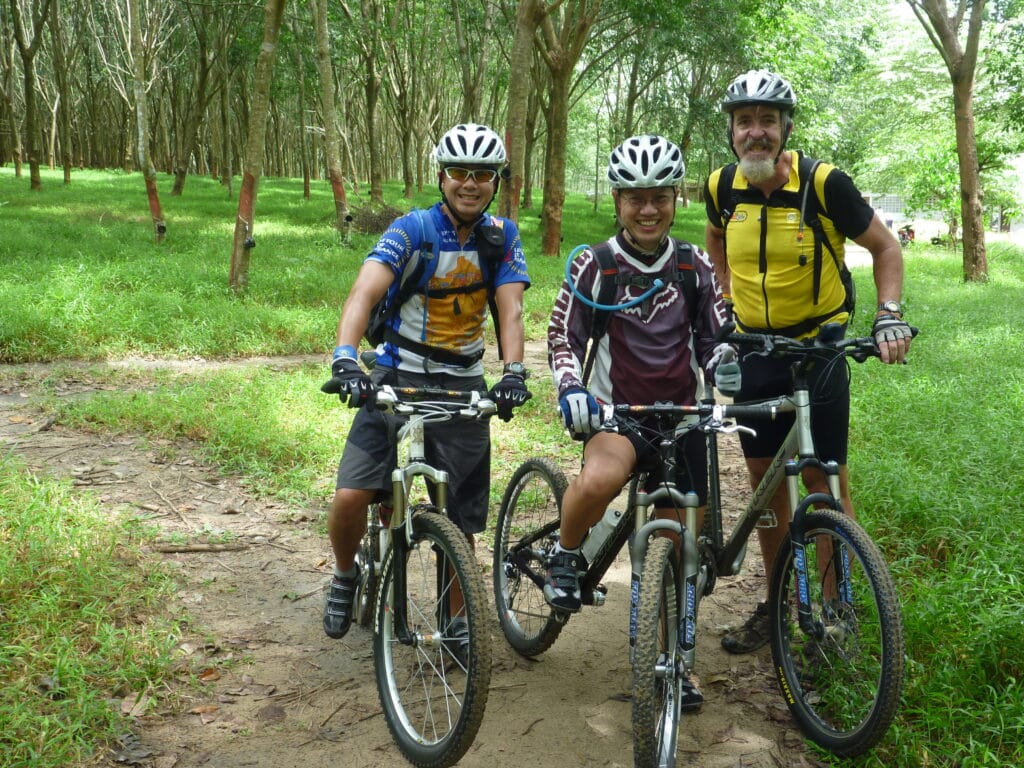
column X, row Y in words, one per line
column 945, row 27
column 28, row 41
column 332, row 135
column 140, row 84
column 244, row 240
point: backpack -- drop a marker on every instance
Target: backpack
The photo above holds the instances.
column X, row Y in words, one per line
column 680, row 271
column 810, row 205
column 414, row 279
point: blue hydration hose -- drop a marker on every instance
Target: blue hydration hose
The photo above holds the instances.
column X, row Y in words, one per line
column 655, row 287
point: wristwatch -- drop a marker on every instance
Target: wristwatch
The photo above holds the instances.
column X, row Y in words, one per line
column 891, row 307
column 516, row 369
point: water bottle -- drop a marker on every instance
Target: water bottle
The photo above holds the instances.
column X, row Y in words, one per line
column 600, row 533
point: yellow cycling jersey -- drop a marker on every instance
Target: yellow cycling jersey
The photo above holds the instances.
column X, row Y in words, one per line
column 770, row 253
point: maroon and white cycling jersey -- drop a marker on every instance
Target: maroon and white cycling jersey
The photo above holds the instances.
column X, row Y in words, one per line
column 652, row 352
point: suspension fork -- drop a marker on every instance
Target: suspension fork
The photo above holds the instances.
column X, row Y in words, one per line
column 797, row 532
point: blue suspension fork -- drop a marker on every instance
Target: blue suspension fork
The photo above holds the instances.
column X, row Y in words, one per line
column 840, row 559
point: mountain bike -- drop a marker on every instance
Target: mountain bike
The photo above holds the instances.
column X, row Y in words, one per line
column 835, row 624
column 418, row 573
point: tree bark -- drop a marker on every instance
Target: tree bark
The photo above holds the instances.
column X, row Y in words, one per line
column 243, row 243
column 7, row 61
column 561, row 51
column 28, row 48
column 60, row 69
column 528, row 16
column 332, row 139
column 961, row 61
column 142, row 154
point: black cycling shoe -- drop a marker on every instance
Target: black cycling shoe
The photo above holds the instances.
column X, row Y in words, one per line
column 562, row 580
column 691, row 698
column 338, row 608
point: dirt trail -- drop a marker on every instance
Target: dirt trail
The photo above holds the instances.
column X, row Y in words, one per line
column 278, row 693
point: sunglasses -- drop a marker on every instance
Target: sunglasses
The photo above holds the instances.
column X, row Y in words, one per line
column 482, row 175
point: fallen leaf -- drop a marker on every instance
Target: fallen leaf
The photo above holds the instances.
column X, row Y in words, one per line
column 203, row 709
column 209, row 675
column 135, row 704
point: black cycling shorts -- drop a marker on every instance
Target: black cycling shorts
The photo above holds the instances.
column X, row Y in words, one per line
column 691, row 461
column 460, row 447
column 829, row 387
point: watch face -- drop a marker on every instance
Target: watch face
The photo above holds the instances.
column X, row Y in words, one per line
column 517, row 369
column 891, row 306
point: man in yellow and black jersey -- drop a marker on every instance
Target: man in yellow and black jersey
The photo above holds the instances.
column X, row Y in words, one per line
column 764, row 253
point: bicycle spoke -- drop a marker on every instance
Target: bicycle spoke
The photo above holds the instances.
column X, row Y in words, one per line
column 842, row 680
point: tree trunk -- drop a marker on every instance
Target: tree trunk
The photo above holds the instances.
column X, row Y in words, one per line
column 243, row 243
column 60, row 68
column 11, row 113
column 332, row 141
column 28, row 50
column 943, row 28
column 145, row 161
column 528, row 15
column 554, row 172
column 971, row 213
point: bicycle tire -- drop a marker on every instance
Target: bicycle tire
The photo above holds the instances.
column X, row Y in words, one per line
column 433, row 705
column 529, row 514
column 366, row 587
column 844, row 687
column 657, row 671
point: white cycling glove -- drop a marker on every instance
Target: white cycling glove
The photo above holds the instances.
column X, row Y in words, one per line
column 580, row 411
column 726, row 366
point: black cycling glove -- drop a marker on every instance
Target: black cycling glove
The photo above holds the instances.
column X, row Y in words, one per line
column 509, row 393
column 350, row 383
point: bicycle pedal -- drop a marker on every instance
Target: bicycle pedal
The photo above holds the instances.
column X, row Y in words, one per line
column 767, row 519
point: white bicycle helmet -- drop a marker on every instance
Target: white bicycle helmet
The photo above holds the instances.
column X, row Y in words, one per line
column 471, row 144
column 645, row 161
column 759, row 86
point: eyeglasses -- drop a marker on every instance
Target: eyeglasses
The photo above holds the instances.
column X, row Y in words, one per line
column 659, row 200
column 481, row 175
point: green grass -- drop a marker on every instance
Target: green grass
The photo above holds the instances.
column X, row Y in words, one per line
column 79, row 623
column 935, row 445
column 84, row 278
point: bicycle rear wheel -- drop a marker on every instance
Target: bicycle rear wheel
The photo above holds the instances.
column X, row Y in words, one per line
column 843, row 681
column 433, row 700
column 657, row 672
column 526, row 530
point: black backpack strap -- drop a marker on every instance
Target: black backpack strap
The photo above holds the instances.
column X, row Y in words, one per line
column 726, row 195
column 809, row 216
column 609, row 271
column 687, row 275
column 490, row 239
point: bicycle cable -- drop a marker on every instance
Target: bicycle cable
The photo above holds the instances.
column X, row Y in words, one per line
column 656, row 286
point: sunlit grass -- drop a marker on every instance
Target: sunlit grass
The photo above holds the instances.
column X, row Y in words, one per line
column 79, row 622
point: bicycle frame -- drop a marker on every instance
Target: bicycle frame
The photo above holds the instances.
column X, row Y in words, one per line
column 402, row 523
column 402, row 478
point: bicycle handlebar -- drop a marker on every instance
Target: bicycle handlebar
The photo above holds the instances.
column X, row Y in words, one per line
column 830, row 337
column 405, row 401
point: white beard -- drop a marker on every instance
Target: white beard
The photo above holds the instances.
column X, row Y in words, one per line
column 758, row 171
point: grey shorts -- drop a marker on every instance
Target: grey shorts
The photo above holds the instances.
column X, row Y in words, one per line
column 461, row 448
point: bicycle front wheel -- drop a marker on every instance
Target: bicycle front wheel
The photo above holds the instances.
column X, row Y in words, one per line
column 842, row 681
column 368, row 556
column 526, row 530
column 433, row 687
column 657, row 670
